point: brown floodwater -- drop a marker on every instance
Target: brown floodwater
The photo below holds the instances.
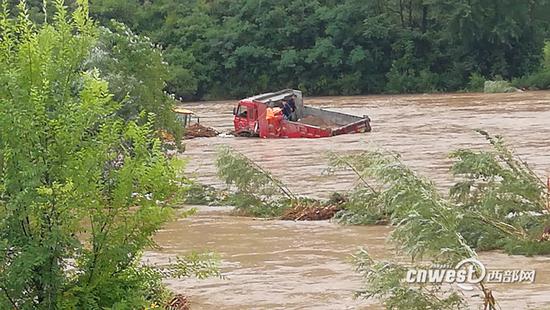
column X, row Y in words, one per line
column 306, row 265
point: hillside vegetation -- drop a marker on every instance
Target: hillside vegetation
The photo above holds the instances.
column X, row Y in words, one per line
column 231, row 48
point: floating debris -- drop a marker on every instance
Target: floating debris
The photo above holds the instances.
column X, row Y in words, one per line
column 199, row 131
column 310, row 212
column 179, row 302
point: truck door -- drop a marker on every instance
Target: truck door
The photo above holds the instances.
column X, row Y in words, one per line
column 241, row 118
column 252, row 114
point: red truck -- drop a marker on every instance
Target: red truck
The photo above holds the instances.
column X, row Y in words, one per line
column 262, row 116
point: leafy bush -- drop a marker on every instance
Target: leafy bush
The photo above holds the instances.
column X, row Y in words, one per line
column 136, row 73
column 499, row 190
column 200, row 265
column 384, row 281
column 499, row 195
column 499, row 203
column 546, row 63
column 82, row 191
column 200, row 194
column 258, row 193
column 409, row 81
column 426, row 228
column 476, row 82
column 498, row 87
column 247, row 205
column 526, row 247
column 362, row 206
column 537, row 81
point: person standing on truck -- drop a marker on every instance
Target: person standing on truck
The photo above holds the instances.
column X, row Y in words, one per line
column 292, row 104
column 287, row 110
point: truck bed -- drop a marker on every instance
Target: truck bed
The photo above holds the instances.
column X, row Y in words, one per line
column 319, row 117
column 317, row 121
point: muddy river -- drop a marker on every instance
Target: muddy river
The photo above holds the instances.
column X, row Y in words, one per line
column 306, row 265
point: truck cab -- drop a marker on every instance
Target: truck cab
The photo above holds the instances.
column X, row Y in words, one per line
column 245, row 118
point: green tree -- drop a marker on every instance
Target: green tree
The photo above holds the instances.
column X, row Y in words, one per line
column 224, row 48
column 498, row 37
column 499, row 202
column 81, row 190
column 136, row 73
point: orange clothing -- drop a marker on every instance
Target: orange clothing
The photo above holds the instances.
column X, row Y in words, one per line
column 270, row 113
column 274, row 117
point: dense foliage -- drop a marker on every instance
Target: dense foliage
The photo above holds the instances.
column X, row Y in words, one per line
column 136, row 73
column 503, row 200
column 539, row 79
column 498, row 203
column 256, row 191
column 362, row 205
column 384, row 280
column 82, row 190
column 132, row 64
column 225, row 48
